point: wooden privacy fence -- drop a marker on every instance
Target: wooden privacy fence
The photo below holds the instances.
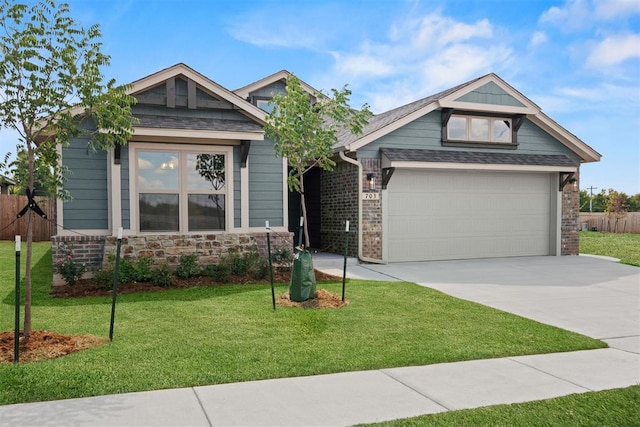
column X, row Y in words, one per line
column 11, row 205
column 629, row 224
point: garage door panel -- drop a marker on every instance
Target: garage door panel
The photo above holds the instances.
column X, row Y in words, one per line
column 435, row 215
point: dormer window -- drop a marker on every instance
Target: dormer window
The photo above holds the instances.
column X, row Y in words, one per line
column 495, row 130
column 464, row 129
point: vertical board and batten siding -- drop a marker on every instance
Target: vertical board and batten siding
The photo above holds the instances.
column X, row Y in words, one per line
column 490, row 93
column 87, row 184
column 124, row 188
column 425, row 133
column 237, row 191
column 265, row 185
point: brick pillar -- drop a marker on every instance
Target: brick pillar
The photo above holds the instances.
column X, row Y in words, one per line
column 570, row 238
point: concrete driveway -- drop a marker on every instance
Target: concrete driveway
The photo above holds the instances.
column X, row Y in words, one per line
column 593, row 296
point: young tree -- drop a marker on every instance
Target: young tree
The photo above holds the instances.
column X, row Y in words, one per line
column 305, row 132
column 52, row 90
column 617, row 204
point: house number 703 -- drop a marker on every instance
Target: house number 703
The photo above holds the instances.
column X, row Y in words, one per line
column 370, row 196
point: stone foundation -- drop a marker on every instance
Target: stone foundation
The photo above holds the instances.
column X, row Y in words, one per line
column 94, row 251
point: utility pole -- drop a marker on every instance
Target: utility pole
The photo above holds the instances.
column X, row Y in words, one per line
column 591, row 197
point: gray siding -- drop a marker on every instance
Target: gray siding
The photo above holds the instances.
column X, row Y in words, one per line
column 237, row 191
column 125, row 185
column 490, row 93
column 87, row 184
column 425, row 133
column 265, row 185
column 270, row 91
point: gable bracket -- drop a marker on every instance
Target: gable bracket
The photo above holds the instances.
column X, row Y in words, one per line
column 386, row 176
column 446, row 115
column 566, row 178
column 245, row 144
column 518, row 119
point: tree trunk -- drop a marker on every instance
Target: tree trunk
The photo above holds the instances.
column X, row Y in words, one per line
column 27, row 274
column 303, row 204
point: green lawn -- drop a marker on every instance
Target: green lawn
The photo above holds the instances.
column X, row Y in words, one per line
column 189, row 337
column 619, row 407
column 624, row 246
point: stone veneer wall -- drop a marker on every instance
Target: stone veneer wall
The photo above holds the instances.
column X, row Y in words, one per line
column 94, row 250
column 570, row 237
column 339, row 203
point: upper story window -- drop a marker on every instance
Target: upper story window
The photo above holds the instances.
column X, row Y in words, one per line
column 265, row 105
column 490, row 130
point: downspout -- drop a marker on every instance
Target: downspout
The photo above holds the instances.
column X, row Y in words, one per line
column 359, row 165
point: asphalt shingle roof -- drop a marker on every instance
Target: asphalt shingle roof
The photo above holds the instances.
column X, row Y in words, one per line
column 196, row 123
column 419, row 155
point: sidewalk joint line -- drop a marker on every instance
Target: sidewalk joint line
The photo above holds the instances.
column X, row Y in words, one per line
column 550, row 374
column 426, row 396
column 204, row 411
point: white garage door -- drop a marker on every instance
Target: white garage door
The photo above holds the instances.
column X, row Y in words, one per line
column 438, row 215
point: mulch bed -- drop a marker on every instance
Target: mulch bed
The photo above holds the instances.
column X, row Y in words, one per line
column 85, row 287
column 44, row 345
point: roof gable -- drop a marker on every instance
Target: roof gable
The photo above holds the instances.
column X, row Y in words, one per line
column 486, row 94
column 205, row 90
column 490, row 93
column 281, row 76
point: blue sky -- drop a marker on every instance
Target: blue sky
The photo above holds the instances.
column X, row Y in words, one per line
column 579, row 60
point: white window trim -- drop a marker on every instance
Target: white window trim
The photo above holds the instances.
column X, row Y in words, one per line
column 491, row 119
column 134, row 147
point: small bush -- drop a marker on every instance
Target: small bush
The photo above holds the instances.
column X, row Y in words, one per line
column 132, row 270
column 162, row 275
column 218, row 272
column 70, row 270
column 188, row 266
column 238, row 263
column 258, row 267
column 282, row 257
column 104, row 277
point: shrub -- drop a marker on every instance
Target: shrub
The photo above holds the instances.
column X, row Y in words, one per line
column 282, row 257
column 162, row 275
column 218, row 272
column 69, row 268
column 257, row 266
column 188, row 266
column 135, row 270
column 104, row 277
column 238, row 263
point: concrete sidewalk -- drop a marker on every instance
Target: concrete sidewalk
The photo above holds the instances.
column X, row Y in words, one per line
column 347, row 398
column 370, row 396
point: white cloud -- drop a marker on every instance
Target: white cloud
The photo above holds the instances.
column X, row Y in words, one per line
column 286, row 36
column 538, row 38
column 361, row 65
column 614, row 50
column 576, row 14
column 437, row 30
column 609, row 9
column 421, row 56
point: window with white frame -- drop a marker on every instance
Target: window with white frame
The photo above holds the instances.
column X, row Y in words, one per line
column 479, row 129
column 181, row 189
